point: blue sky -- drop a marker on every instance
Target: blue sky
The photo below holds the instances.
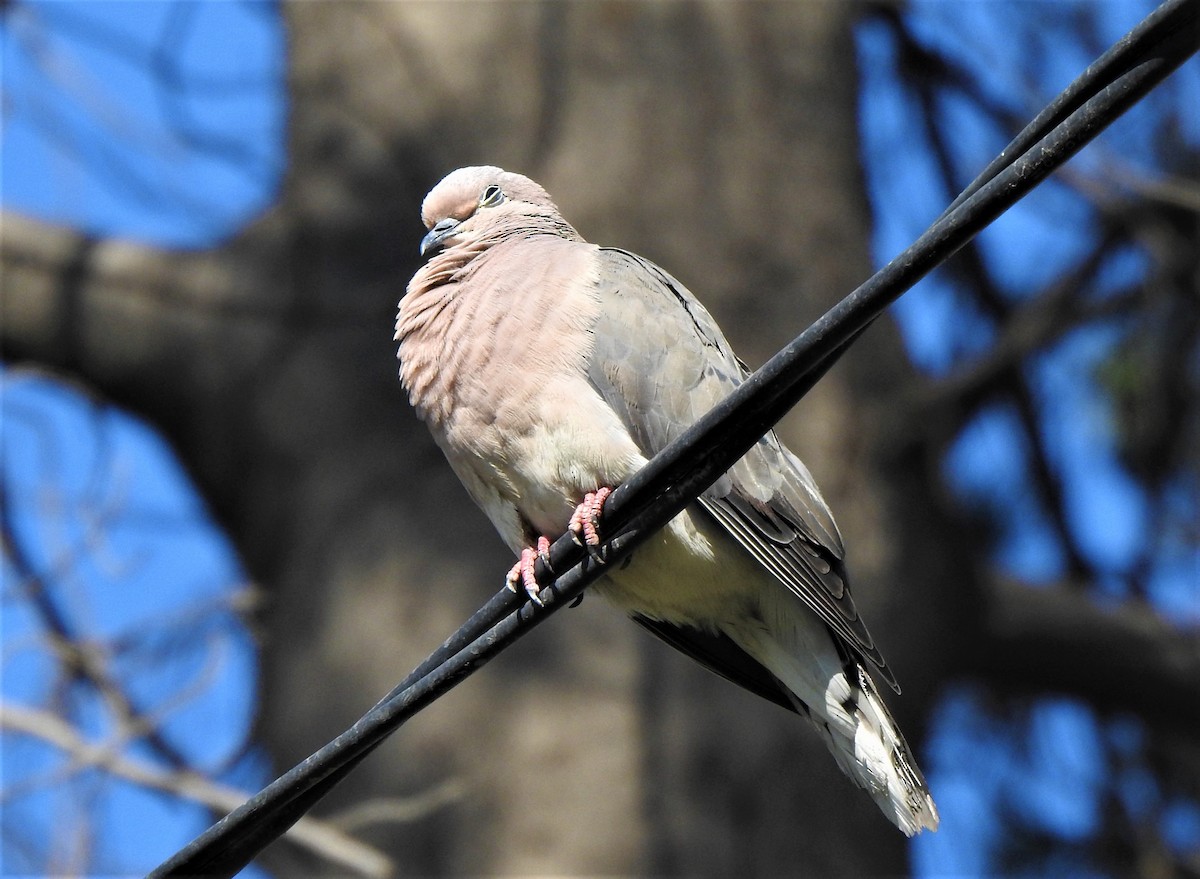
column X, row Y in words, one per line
column 102, row 509
column 154, row 120
column 93, row 140
column 99, row 502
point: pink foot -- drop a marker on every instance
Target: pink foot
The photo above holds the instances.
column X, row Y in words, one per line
column 585, row 521
column 523, row 572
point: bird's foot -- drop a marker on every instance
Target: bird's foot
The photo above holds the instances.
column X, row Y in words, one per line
column 523, row 573
column 585, row 521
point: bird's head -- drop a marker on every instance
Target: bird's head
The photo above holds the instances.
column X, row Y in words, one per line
column 482, row 205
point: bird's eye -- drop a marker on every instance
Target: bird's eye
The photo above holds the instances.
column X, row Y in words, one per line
column 492, row 196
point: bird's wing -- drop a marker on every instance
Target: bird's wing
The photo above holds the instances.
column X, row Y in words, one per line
column 660, row 361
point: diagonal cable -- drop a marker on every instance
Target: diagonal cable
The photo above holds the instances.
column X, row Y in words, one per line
column 677, row 475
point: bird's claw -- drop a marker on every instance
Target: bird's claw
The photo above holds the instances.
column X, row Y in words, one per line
column 585, row 522
column 523, row 573
column 585, row 531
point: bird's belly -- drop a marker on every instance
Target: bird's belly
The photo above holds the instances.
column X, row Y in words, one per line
column 689, row 573
column 543, row 452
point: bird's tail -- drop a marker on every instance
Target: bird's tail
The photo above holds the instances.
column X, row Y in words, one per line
column 873, row 753
column 840, row 699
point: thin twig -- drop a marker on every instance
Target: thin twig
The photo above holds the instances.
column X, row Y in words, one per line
column 320, row 837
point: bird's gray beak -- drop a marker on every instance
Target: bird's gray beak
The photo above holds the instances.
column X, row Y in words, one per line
column 442, row 230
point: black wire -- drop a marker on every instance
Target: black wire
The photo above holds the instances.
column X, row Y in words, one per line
column 677, row 475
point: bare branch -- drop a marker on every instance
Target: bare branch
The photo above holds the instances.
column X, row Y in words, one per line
column 398, row 810
column 319, row 837
column 1120, row 657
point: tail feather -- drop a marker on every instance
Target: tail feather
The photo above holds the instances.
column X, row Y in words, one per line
column 840, row 699
column 877, row 758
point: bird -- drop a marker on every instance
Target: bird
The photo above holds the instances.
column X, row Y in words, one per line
column 549, row 370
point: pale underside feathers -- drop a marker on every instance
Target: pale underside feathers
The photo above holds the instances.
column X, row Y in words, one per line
column 547, row 367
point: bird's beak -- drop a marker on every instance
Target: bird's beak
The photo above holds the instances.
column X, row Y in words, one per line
column 442, row 230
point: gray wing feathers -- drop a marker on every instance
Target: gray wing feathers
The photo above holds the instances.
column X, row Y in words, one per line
column 809, row 570
column 661, row 362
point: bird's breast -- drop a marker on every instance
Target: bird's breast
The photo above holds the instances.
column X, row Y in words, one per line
column 495, row 361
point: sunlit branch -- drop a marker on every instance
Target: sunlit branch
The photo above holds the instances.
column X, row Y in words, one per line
column 319, row 837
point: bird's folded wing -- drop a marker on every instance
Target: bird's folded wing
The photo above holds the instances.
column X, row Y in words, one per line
column 661, row 362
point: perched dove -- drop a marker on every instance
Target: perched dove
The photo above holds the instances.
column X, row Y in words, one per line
column 549, row 370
